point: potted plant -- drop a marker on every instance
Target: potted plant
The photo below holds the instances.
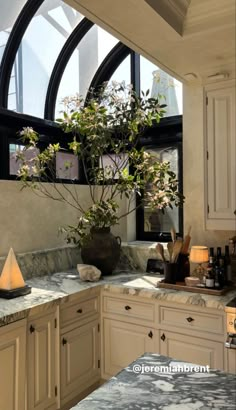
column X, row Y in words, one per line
column 104, row 134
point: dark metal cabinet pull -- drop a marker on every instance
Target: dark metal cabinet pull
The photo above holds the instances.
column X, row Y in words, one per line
column 150, row 334
column 163, row 337
column 80, row 311
column 64, row 341
column 32, row 329
column 127, row 307
column 189, row 319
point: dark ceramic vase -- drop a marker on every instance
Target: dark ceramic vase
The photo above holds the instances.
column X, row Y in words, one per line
column 102, row 250
column 183, row 267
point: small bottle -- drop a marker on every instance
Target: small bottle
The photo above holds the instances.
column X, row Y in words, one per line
column 209, row 279
column 228, row 267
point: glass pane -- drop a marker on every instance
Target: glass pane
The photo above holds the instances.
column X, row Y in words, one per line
column 156, row 221
column 159, row 82
column 41, row 44
column 67, row 166
column 8, row 16
column 14, row 150
column 83, row 64
column 122, row 73
column 113, row 165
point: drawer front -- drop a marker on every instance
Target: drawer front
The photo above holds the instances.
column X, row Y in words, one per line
column 206, row 322
column 129, row 308
column 79, row 310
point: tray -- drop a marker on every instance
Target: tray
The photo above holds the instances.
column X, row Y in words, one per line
column 195, row 289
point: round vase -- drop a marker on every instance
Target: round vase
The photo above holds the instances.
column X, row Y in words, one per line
column 102, row 250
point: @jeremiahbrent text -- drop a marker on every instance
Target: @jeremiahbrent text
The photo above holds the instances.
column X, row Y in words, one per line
column 137, row 368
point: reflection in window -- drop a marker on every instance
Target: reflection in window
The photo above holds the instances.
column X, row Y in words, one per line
column 159, row 82
column 8, row 16
column 14, row 151
column 156, row 221
column 67, row 166
column 84, row 62
column 41, row 44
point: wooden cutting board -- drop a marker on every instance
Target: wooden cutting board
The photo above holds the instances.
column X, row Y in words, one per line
column 183, row 287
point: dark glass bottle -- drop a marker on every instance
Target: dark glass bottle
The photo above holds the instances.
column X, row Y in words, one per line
column 221, row 273
column 228, row 268
column 218, row 256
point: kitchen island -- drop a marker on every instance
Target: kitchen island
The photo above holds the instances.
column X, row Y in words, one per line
column 158, row 382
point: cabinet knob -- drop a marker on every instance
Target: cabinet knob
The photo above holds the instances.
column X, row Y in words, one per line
column 163, row 337
column 80, row 311
column 189, row 319
column 64, row 341
column 127, row 307
column 32, row 329
column 150, row 334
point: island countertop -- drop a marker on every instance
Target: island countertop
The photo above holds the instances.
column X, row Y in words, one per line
column 59, row 287
column 145, row 384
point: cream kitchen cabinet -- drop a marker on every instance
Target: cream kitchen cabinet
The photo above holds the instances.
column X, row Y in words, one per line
column 123, row 343
column 79, row 347
column 42, row 372
column 231, row 360
column 128, row 331
column 220, row 156
column 192, row 349
column 12, row 366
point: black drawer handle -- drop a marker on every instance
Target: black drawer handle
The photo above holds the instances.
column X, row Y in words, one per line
column 127, row 307
column 163, row 337
column 150, row 334
column 64, row 341
column 32, row 329
column 80, row 311
column 189, row 319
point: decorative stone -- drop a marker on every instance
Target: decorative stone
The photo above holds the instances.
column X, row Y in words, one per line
column 88, row 272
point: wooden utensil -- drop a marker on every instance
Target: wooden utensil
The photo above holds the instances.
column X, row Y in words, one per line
column 186, row 242
column 160, row 250
column 176, row 250
column 170, row 246
column 173, row 234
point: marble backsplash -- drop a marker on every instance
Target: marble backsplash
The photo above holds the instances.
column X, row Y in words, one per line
column 46, row 262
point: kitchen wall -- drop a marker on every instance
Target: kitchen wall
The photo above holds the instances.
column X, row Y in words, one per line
column 193, row 170
column 28, row 222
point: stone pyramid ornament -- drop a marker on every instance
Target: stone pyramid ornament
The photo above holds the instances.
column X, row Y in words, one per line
column 12, row 283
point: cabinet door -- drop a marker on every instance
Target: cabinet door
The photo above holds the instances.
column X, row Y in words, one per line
column 231, row 361
column 221, row 169
column 12, row 366
column 123, row 343
column 192, row 349
column 79, row 360
column 41, row 362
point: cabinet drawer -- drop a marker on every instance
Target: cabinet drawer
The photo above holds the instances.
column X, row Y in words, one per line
column 79, row 310
column 207, row 322
column 129, row 308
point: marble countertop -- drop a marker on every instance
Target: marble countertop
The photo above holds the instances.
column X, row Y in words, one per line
column 140, row 386
column 51, row 289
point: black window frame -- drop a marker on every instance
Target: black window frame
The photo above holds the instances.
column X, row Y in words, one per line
column 168, row 131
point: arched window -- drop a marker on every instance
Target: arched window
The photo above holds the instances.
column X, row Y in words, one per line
column 49, row 51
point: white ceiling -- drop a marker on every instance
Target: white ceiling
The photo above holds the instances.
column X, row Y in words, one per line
column 181, row 36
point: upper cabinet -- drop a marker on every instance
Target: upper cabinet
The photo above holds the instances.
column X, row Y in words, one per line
column 220, row 156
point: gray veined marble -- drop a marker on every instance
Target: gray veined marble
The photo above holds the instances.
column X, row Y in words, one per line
column 57, row 288
column 165, row 390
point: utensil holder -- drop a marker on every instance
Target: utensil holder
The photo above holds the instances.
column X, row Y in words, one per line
column 183, row 267
column 170, row 272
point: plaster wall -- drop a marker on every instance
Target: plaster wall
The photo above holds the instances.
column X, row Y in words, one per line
column 193, row 170
column 29, row 223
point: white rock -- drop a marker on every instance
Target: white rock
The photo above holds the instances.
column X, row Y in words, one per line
column 88, row 272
